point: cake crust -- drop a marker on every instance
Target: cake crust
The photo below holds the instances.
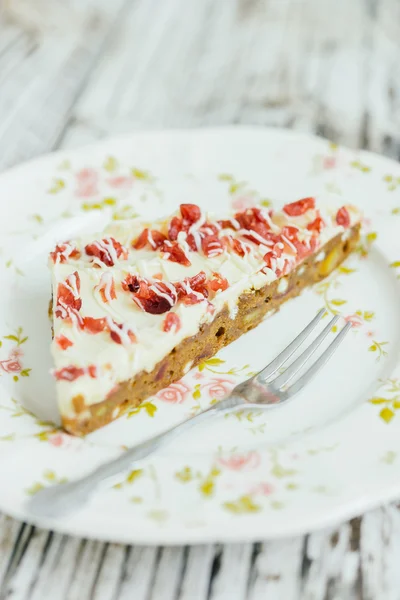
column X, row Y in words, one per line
column 252, row 306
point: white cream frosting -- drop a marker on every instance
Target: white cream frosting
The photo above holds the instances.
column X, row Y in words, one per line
column 118, row 362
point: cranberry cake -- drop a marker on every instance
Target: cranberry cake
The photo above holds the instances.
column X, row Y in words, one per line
column 137, row 306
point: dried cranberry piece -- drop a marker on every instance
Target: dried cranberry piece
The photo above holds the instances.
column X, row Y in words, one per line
column 153, row 238
column 68, row 295
column 229, row 224
column 155, row 305
column 62, row 252
column 92, row 325
column 295, row 209
column 218, row 283
column 131, row 284
column 118, row 333
column 172, row 321
column 193, row 289
column 343, row 217
column 141, row 241
column 63, row 342
column 290, row 232
column 191, row 242
column 316, row 225
column 175, row 227
column 212, row 246
column 209, row 229
column 269, row 259
column 105, row 250
column 69, row 373
column 174, row 252
column 191, row 213
column 156, row 239
column 92, row 371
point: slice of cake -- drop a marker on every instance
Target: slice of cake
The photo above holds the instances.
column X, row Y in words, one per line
column 138, row 305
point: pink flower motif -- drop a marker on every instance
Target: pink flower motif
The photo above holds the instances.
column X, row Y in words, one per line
column 355, row 320
column 175, row 393
column 242, row 202
column 198, row 375
column 262, row 489
column 11, row 366
column 120, row 182
column 57, row 440
column 241, row 462
column 218, row 387
column 87, row 180
column 16, row 353
column 329, row 162
column 370, row 334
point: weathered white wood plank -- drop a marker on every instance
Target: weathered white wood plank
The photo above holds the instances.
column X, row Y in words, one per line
column 196, row 578
column 231, row 579
column 9, row 532
column 22, row 583
column 42, row 80
column 109, row 578
column 58, row 569
column 380, row 551
column 138, row 573
column 168, row 574
column 86, row 570
column 277, row 570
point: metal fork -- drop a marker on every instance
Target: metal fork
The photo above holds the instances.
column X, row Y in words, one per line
column 259, row 390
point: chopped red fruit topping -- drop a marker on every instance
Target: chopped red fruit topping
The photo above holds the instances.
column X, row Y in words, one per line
column 107, row 251
column 229, row 224
column 71, row 373
column 174, row 228
column 63, row 342
column 240, row 248
column 158, row 276
column 270, row 258
column 343, row 217
column 295, row 209
column 68, row 295
column 193, row 290
column 212, row 246
column 92, row 371
column 191, row 213
column 63, row 252
column 154, row 298
column 172, row 322
column 175, row 253
column 152, row 237
column 106, row 287
column 317, row 225
column 120, row 333
column 218, row 283
column 92, row 325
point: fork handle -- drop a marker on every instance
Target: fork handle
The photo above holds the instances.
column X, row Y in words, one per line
column 60, row 500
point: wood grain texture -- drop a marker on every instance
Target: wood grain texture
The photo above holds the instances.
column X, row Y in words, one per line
column 74, row 71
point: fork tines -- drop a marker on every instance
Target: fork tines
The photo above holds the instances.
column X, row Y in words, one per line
column 280, row 382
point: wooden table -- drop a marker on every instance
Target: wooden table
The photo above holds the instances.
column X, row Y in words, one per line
column 74, row 71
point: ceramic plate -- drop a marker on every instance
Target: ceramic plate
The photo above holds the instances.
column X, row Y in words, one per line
column 330, row 454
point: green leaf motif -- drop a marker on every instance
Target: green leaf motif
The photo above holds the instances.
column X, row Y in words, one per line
column 338, row 302
column 148, row 407
column 110, row 164
column 386, row 414
column 11, row 337
column 241, row 506
column 57, row 186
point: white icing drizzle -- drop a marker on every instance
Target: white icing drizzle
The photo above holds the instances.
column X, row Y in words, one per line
column 106, row 283
column 129, row 358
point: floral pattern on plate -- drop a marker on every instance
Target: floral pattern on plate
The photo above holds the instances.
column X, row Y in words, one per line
column 251, row 474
